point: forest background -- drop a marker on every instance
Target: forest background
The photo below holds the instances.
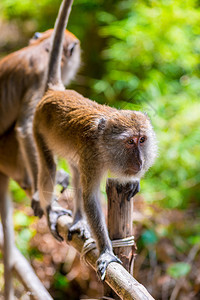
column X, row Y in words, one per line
column 140, row 55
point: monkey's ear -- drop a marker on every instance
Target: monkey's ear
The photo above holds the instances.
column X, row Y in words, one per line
column 102, row 124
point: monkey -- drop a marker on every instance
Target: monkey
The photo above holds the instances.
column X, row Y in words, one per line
column 22, row 83
column 93, row 138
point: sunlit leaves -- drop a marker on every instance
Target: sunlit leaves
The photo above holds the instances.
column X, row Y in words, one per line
column 178, row 270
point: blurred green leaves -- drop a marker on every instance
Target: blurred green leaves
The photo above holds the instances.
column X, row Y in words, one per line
column 24, row 231
column 152, row 59
column 17, row 193
column 141, row 55
column 178, row 270
column 149, row 237
column 60, row 281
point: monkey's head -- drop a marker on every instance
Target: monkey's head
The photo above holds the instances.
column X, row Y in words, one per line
column 71, row 57
column 128, row 143
column 71, row 52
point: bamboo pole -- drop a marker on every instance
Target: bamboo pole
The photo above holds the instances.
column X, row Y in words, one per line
column 26, row 274
column 8, row 245
column 117, row 277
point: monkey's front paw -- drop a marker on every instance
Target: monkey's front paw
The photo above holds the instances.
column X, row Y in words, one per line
column 132, row 189
column 103, row 261
column 35, row 204
column 53, row 213
column 81, row 228
column 62, row 178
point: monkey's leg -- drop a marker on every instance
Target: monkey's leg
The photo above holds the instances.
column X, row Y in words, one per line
column 79, row 224
column 26, row 141
column 46, row 182
column 28, row 148
column 6, row 217
column 92, row 208
column 11, row 160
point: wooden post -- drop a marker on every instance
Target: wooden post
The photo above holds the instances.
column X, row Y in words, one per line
column 120, row 225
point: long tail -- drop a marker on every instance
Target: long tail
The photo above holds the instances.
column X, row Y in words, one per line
column 54, row 72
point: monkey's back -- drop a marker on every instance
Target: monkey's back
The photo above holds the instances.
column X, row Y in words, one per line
column 21, row 73
column 69, row 110
column 67, row 119
column 23, row 76
column 70, row 122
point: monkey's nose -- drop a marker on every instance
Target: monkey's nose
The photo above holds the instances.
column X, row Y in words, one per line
column 138, row 166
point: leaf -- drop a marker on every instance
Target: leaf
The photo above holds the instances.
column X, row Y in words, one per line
column 60, row 281
column 21, row 219
column 179, row 269
column 149, row 237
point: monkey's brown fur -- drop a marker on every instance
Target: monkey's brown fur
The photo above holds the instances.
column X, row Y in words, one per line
column 22, row 84
column 94, row 138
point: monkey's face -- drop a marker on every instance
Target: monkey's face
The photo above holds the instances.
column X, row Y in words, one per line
column 129, row 144
column 70, row 58
column 71, row 52
column 39, row 37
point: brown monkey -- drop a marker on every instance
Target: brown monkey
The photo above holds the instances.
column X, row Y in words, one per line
column 22, row 84
column 94, row 138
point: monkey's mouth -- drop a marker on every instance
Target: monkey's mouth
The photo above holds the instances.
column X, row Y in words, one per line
column 133, row 170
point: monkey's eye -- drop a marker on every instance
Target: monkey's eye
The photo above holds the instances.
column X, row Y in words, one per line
column 142, row 139
column 131, row 142
column 37, row 35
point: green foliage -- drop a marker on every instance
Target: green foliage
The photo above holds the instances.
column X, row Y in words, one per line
column 149, row 237
column 152, row 60
column 17, row 193
column 141, row 55
column 25, row 232
column 36, row 11
column 178, row 270
column 21, row 219
column 60, row 281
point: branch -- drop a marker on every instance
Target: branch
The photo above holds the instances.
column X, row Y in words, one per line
column 8, row 257
column 124, row 285
column 27, row 274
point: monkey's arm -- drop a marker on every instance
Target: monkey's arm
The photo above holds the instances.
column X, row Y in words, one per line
column 97, row 224
column 95, row 217
column 28, row 148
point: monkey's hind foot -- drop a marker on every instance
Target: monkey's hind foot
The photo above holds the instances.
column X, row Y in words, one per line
column 132, row 189
column 53, row 213
column 103, row 261
column 62, row 178
column 80, row 227
column 35, row 204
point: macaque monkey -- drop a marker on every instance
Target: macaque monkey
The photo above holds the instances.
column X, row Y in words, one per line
column 94, row 138
column 22, row 84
